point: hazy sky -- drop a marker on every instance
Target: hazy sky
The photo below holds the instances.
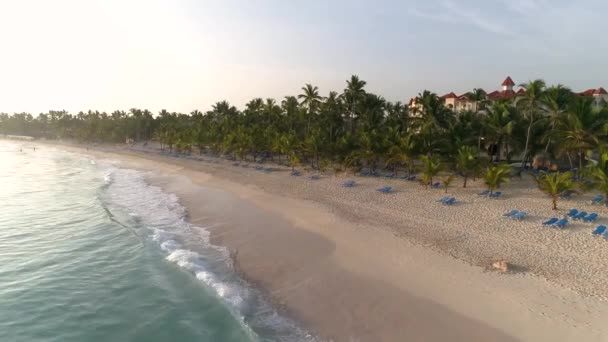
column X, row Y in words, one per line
column 188, row 54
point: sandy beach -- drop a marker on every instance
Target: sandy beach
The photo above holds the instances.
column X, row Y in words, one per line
column 353, row 264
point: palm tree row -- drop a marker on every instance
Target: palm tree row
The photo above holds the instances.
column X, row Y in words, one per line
column 358, row 129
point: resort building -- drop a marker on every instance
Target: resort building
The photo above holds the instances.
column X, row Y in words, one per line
column 466, row 102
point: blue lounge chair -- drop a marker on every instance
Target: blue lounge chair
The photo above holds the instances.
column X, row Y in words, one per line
column 443, row 199
column 436, row 185
column 550, row 221
column 599, row 230
column 520, row 215
column 510, row 213
column 495, row 195
column 561, row 223
column 296, row 173
column 259, row 167
column 349, row 184
column 572, row 212
column 580, row 215
column 268, row 169
column 411, row 178
column 484, row 193
column 315, row 177
column 592, row 217
column 450, row 201
column 597, row 199
column 386, row 189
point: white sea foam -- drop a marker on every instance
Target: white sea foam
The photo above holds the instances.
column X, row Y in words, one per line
column 188, row 247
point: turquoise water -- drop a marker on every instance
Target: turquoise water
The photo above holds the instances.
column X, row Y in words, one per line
column 91, row 252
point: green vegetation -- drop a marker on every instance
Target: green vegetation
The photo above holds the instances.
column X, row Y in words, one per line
column 358, row 129
column 555, row 184
column 496, row 176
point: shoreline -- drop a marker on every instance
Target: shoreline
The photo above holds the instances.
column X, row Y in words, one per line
column 404, row 272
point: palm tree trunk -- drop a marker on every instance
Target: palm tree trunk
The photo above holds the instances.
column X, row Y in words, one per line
column 554, row 198
column 527, row 144
column 464, row 185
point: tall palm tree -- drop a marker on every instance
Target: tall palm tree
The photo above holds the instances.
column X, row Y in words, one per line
column 554, row 184
column 582, row 129
column 555, row 103
column 311, row 100
column 530, row 102
column 479, row 97
column 353, row 94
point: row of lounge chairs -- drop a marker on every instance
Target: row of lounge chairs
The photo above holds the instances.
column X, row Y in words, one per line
column 493, row 195
column 575, row 214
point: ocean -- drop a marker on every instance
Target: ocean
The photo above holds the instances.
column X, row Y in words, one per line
column 89, row 251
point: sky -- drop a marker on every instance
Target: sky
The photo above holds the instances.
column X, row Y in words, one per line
column 182, row 55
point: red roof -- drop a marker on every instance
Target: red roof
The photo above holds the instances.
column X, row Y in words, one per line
column 521, row 91
column 504, row 94
column 508, row 82
column 449, row 96
column 587, row 92
column 600, row 91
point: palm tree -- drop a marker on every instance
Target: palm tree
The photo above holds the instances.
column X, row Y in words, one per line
column 555, row 103
column 479, row 97
column 466, row 162
column 554, row 184
column 581, row 129
column 447, row 181
column 353, row 94
column 530, row 102
column 496, row 175
column 431, row 165
column 311, row 100
column 598, row 172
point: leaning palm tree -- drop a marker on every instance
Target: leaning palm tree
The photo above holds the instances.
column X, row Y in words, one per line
column 496, row 176
column 554, row 184
column 430, row 168
column 530, row 103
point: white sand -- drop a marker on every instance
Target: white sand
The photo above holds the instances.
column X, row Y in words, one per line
column 358, row 265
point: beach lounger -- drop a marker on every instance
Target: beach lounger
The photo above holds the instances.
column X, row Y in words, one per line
column 599, row 230
column 520, row 215
column 550, row 221
column 566, row 195
column 315, row 177
column 484, row 193
column 592, row 217
column 259, row 167
column 597, row 199
column 411, row 178
column 561, row 223
column 495, row 195
column 443, row 199
column 436, row 185
column 572, row 212
column 296, row 173
column 510, row 213
column 386, row 189
column 450, row 201
column 349, row 184
column 580, row 215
